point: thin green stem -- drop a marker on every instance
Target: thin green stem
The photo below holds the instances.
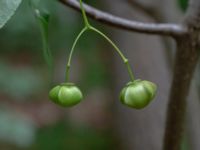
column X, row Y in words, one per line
column 72, row 50
column 84, row 15
column 125, row 60
column 46, row 49
column 129, row 70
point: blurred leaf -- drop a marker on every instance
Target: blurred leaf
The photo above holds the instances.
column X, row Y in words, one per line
column 185, row 145
column 63, row 136
column 95, row 73
column 23, row 27
column 7, row 9
column 19, row 82
column 16, row 129
column 34, row 3
column 183, row 4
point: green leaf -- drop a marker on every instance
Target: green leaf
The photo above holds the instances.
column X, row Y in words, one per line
column 43, row 20
column 7, row 9
column 183, row 4
column 34, row 3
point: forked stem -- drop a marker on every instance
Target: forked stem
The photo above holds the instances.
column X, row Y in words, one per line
column 89, row 27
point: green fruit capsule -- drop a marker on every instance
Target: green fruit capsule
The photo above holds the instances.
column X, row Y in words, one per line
column 138, row 94
column 66, row 94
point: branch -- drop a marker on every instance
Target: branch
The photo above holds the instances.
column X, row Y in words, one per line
column 136, row 26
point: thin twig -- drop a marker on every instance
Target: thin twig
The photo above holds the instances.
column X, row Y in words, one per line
column 136, row 26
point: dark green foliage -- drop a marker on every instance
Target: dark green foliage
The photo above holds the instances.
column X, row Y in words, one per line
column 183, row 4
column 66, row 137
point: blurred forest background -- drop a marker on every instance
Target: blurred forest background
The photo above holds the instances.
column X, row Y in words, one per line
column 30, row 121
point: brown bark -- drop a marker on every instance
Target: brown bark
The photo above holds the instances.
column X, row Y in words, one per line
column 186, row 60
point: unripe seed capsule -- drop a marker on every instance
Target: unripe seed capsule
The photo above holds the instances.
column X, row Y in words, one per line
column 66, row 94
column 138, row 94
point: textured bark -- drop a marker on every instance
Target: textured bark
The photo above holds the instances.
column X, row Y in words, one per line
column 186, row 60
column 192, row 118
